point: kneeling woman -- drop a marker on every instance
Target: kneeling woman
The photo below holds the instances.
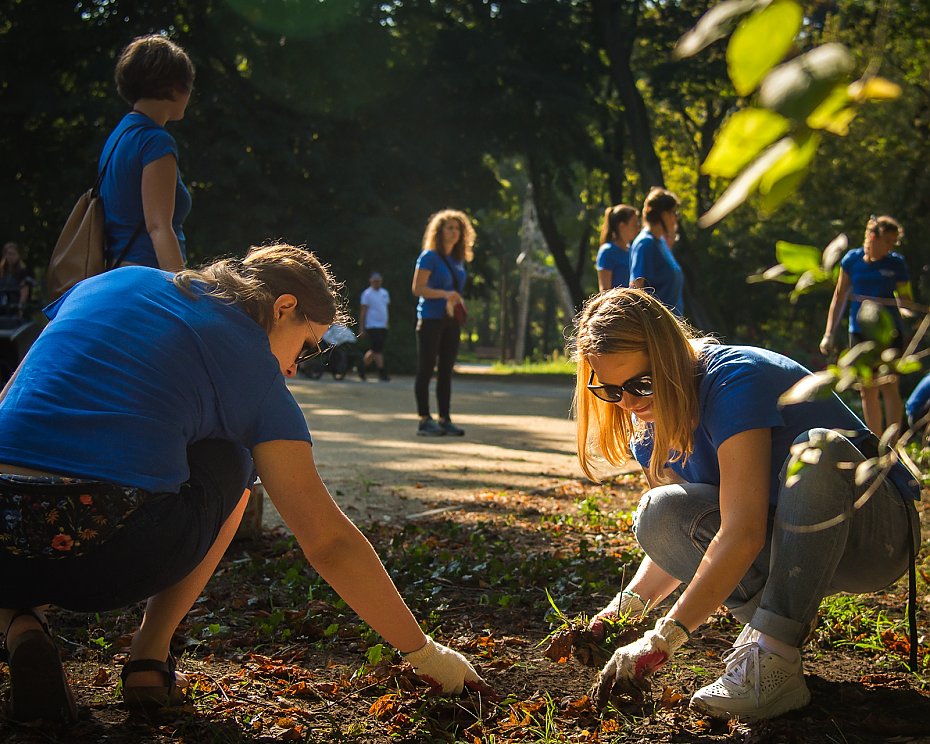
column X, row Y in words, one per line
column 127, row 443
column 723, row 516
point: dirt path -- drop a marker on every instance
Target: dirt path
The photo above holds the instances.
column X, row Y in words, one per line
column 518, row 435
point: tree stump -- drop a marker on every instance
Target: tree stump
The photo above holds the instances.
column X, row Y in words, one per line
column 250, row 528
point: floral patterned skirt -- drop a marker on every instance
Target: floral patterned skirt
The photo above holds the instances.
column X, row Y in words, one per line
column 56, row 517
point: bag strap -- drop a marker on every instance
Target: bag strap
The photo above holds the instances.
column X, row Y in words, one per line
column 106, row 162
column 455, row 277
column 103, row 170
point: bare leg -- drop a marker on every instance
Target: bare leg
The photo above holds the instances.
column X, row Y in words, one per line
column 872, row 409
column 891, row 397
column 165, row 611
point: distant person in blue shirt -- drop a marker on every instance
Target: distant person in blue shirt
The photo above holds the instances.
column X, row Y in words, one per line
column 652, row 264
column 873, row 272
column 621, row 223
column 438, row 280
column 144, row 199
column 128, row 438
column 729, row 513
column 918, row 404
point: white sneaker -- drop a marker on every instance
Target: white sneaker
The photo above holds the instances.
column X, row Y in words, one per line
column 756, row 684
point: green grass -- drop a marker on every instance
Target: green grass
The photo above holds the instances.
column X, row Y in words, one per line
column 559, row 366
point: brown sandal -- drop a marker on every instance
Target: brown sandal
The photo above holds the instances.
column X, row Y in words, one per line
column 147, row 698
column 38, row 685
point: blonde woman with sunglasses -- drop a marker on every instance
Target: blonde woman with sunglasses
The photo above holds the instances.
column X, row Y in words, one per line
column 722, row 518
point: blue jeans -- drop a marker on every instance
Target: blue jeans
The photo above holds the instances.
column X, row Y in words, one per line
column 861, row 550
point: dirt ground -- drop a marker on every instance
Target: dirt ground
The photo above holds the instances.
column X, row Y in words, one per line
column 496, row 541
column 518, row 435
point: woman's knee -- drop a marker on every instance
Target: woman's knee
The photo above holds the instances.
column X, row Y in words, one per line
column 672, row 513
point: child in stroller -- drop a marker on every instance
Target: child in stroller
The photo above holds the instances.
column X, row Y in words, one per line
column 338, row 355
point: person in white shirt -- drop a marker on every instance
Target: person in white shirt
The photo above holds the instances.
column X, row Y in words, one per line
column 373, row 321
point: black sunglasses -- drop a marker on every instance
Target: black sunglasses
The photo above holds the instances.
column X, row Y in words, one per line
column 307, row 354
column 640, row 386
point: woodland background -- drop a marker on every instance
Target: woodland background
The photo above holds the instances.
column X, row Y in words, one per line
column 343, row 124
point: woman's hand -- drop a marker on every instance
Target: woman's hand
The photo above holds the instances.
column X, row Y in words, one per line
column 625, row 603
column 444, row 666
column 827, row 344
column 631, row 666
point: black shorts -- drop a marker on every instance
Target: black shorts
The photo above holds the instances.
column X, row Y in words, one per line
column 160, row 539
column 896, row 341
column 376, row 339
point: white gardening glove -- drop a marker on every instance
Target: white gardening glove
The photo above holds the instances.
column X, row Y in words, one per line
column 625, row 603
column 445, row 667
column 630, row 667
column 827, row 345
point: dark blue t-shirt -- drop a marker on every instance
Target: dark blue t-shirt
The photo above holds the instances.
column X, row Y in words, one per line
column 874, row 279
column 130, row 371
column 440, row 278
column 918, row 403
column 612, row 257
column 121, row 188
column 738, row 390
column 651, row 259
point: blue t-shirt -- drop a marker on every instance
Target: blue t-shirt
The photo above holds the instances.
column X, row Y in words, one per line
column 738, row 390
column 651, row 259
column 130, row 371
column 918, row 403
column 874, row 279
column 440, row 278
column 121, row 188
column 612, row 257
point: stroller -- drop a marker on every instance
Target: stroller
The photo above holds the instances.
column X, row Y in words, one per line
column 338, row 356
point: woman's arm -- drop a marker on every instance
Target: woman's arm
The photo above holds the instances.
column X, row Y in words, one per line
column 605, row 279
column 159, row 182
column 836, row 311
column 745, row 463
column 420, row 288
column 332, row 544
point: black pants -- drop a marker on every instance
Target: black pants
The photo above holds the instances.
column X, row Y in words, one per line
column 159, row 544
column 437, row 341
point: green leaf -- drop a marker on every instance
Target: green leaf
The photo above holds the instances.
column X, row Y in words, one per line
column 797, row 258
column 876, row 323
column 815, row 385
column 874, row 89
column 908, row 365
column 835, row 113
column 796, row 88
column 780, row 181
column 375, row 654
column 741, row 138
column 714, row 24
column 744, row 184
column 834, row 251
column 760, row 42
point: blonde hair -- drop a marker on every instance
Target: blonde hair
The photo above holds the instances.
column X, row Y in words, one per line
column 613, row 218
column 886, row 223
column 432, row 236
column 254, row 283
column 623, row 320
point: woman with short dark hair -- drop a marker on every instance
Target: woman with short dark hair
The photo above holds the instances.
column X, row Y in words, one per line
column 145, row 201
column 652, row 264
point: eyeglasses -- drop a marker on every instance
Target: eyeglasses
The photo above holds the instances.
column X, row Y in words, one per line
column 875, row 230
column 640, row 386
column 308, row 354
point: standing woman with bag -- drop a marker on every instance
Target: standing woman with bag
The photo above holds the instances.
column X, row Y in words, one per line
column 145, row 201
column 438, row 280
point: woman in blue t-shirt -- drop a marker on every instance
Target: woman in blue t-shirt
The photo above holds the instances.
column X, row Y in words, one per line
column 652, row 264
column 752, row 503
column 145, row 202
column 438, row 280
column 621, row 223
column 873, row 272
column 128, row 438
